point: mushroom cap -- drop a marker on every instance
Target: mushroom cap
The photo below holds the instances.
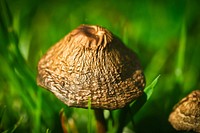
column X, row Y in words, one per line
column 90, row 63
column 186, row 114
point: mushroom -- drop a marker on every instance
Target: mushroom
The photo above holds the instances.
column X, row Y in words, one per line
column 90, row 63
column 186, row 114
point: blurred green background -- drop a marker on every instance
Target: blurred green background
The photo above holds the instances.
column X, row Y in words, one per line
column 164, row 34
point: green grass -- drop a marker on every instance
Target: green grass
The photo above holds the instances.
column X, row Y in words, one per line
column 165, row 35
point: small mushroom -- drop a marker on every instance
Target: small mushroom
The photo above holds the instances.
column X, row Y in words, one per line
column 90, row 63
column 186, row 114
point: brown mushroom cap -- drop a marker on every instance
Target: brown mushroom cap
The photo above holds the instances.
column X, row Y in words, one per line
column 186, row 114
column 91, row 63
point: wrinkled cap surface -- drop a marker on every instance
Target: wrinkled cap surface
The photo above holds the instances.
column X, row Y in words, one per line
column 186, row 114
column 90, row 63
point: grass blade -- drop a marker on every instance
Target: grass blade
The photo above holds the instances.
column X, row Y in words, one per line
column 149, row 89
column 181, row 54
column 136, row 106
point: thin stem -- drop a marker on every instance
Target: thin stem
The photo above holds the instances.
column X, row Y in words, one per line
column 100, row 121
